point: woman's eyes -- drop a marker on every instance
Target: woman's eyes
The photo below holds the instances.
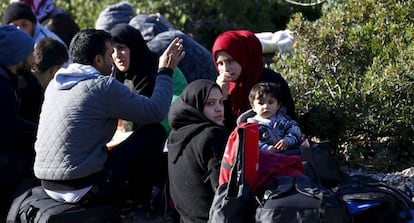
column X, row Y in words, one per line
column 211, row 103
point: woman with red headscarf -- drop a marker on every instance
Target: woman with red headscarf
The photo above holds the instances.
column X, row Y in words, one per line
column 238, row 57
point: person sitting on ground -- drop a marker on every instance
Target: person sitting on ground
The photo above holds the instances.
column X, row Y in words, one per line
column 21, row 15
column 49, row 57
column 135, row 64
column 238, row 58
column 278, row 132
column 79, row 116
column 195, row 147
column 17, row 134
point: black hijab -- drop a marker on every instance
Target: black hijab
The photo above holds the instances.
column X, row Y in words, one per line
column 188, row 109
column 143, row 63
column 186, row 115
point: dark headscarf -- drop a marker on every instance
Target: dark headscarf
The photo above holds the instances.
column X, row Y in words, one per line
column 188, row 109
column 143, row 63
column 186, row 116
column 244, row 47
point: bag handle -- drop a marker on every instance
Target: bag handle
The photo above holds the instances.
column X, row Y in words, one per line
column 304, row 186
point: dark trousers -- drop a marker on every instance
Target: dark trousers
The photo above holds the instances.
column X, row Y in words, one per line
column 133, row 167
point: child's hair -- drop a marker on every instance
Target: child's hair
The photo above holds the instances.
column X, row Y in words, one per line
column 261, row 89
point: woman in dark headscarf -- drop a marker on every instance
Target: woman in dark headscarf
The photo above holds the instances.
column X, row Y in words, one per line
column 238, row 57
column 133, row 60
column 136, row 65
column 195, row 147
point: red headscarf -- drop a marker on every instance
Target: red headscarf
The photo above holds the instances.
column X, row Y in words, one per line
column 244, row 47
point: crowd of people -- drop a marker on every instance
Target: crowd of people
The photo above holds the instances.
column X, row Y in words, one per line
column 62, row 102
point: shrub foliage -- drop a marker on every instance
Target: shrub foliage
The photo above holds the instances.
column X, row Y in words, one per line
column 357, row 60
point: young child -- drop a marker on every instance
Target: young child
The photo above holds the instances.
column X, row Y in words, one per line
column 278, row 132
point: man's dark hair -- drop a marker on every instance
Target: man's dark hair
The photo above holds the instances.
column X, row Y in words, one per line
column 49, row 52
column 87, row 44
column 261, row 89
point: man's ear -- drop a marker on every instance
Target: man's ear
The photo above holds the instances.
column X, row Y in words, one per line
column 97, row 62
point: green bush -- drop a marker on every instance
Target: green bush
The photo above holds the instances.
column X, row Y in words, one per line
column 357, row 60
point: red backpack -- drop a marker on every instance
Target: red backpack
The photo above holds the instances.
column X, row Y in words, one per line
column 250, row 139
column 233, row 199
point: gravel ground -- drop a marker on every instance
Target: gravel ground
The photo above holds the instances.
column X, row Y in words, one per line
column 403, row 180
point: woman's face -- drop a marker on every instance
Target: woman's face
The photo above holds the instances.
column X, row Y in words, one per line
column 214, row 109
column 121, row 56
column 227, row 66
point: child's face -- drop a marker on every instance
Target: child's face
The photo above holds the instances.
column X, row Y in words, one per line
column 266, row 107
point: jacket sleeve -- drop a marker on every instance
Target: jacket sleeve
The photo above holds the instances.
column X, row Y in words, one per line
column 293, row 133
column 139, row 109
column 263, row 146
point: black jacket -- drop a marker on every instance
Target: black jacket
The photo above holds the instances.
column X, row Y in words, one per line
column 195, row 149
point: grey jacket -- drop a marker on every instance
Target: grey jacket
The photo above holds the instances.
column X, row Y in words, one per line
column 79, row 116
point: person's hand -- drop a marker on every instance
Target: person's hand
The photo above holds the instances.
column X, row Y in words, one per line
column 281, row 145
column 172, row 55
column 223, row 82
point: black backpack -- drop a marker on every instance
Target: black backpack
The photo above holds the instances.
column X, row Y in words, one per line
column 36, row 206
column 300, row 200
column 370, row 200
